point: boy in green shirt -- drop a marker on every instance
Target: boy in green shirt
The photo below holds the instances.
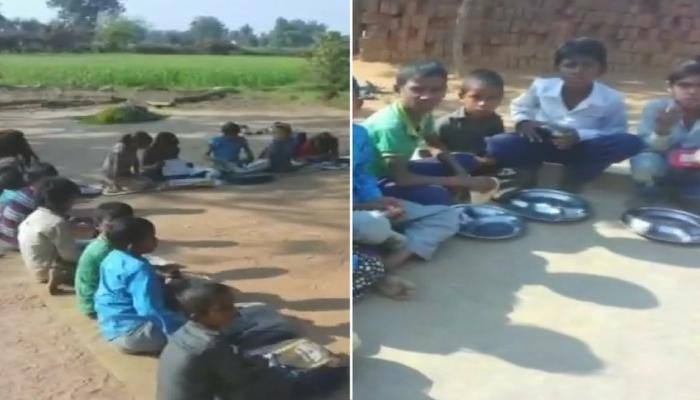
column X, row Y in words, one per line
column 87, row 276
column 402, row 128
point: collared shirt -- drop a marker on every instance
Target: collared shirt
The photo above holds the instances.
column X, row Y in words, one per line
column 199, row 364
column 602, row 113
column 462, row 132
column 129, row 295
column 87, row 275
column 45, row 238
column 681, row 136
column 14, row 212
column 365, row 187
column 394, row 135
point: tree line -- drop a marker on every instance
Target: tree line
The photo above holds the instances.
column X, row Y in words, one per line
column 100, row 25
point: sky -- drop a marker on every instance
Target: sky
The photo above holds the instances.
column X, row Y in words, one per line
column 177, row 14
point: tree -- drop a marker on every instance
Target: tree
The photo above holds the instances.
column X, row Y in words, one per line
column 245, row 36
column 330, row 61
column 207, row 29
column 84, row 13
column 458, row 36
column 117, row 32
column 295, row 33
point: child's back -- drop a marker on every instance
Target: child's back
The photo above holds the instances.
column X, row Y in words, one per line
column 45, row 239
column 87, row 275
column 197, row 363
column 130, row 295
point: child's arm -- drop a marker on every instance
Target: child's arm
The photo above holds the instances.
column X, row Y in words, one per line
column 248, row 152
column 399, row 171
column 523, row 111
column 655, row 134
column 444, row 155
column 63, row 240
column 148, row 299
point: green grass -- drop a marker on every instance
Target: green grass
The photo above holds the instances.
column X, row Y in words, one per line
column 91, row 71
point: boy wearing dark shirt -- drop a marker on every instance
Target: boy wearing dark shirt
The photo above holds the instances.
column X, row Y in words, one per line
column 466, row 129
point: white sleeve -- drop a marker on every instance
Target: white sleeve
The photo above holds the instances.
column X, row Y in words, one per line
column 525, row 106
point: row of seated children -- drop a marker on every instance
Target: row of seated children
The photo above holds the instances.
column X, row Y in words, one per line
column 571, row 118
column 126, row 170
column 141, row 311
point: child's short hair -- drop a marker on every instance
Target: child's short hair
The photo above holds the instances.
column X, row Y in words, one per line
column 287, row 128
column 355, row 89
column 56, row 192
column 420, row 69
column 197, row 298
column 142, row 137
column 113, row 210
column 582, row 47
column 13, row 141
column 127, row 231
column 230, row 128
column 40, row 171
column 484, row 76
column 11, row 178
column 684, row 70
column 166, row 138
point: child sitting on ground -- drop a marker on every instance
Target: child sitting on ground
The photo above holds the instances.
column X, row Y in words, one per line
column 281, row 152
column 22, row 203
column 45, row 238
column 130, row 300
column 321, row 147
column 15, row 150
column 467, row 129
column 87, row 275
column 572, row 119
column 165, row 147
column 225, row 151
column 668, row 127
column 200, row 363
column 11, row 181
column 121, row 167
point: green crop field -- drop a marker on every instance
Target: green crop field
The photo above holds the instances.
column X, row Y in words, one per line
column 91, row 71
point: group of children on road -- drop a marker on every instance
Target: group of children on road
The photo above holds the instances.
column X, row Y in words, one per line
column 141, row 308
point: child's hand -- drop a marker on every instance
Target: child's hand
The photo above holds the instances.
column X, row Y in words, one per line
column 483, row 184
column 486, row 162
column 666, row 119
column 528, row 129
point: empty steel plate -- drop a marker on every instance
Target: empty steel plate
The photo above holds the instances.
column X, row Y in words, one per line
column 664, row 224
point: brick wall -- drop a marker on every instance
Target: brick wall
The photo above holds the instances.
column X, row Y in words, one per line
column 639, row 34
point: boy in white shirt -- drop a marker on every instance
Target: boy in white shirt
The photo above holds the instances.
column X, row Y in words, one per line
column 45, row 238
column 571, row 119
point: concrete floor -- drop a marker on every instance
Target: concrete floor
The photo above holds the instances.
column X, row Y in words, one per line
column 578, row 311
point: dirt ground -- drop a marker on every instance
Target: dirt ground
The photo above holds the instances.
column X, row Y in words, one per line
column 284, row 243
column 577, row 312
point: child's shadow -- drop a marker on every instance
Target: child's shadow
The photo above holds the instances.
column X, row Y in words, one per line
column 467, row 307
column 376, row 378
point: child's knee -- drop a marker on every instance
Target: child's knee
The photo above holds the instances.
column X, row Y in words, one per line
column 371, row 227
column 648, row 167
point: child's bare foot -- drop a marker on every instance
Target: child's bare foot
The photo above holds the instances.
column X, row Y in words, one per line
column 395, row 288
